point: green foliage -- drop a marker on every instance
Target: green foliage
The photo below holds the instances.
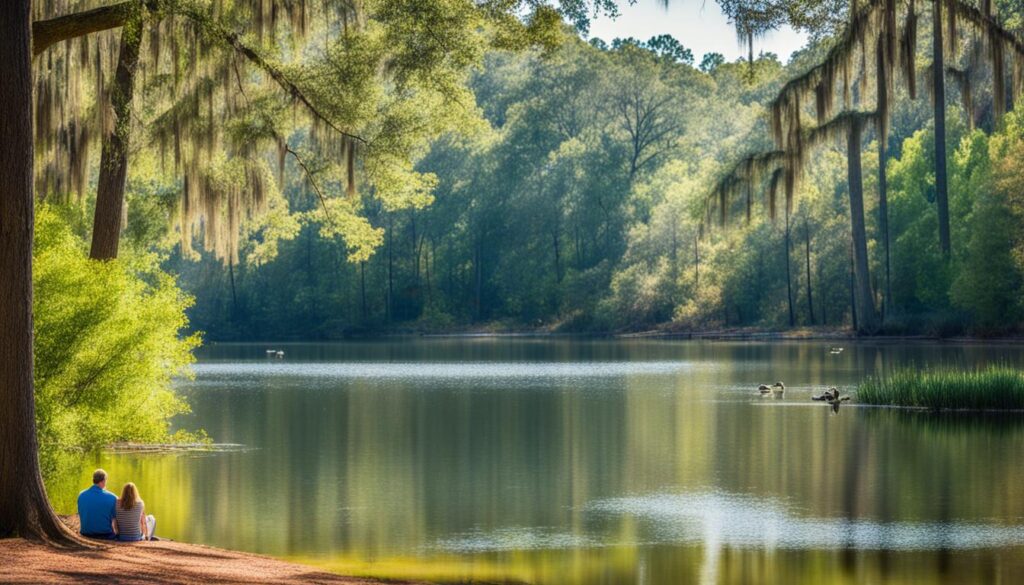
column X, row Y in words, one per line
column 922, row 280
column 711, row 61
column 988, row 283
column 107, row 343
column 665, row 46
column 993, row 388
column 548, row 209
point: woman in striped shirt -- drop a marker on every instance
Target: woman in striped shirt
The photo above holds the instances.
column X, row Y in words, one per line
column 132, row 523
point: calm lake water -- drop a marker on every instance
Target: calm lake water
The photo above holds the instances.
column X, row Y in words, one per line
column 589, row 461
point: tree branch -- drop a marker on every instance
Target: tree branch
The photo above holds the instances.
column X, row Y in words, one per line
column 311, row 179
column 46, row 33
column 234, row 40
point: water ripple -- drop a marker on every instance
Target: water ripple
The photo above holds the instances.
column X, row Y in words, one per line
column 446, row 370
column 513, row 538
column 747, row 522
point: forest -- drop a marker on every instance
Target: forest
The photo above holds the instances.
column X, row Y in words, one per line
column 188, row 170
column 577, row 199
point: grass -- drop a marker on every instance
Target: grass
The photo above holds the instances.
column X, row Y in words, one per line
column 992, row 388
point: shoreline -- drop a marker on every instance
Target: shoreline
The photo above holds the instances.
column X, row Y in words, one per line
column 739, row 334
column 158, row 562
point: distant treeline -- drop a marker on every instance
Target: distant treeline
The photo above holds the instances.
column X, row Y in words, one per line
column 581, row 206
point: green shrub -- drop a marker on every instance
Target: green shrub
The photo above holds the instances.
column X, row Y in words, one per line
column 107, row 343
column 993, row 388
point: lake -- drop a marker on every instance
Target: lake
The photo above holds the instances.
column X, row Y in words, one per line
column 566, row 461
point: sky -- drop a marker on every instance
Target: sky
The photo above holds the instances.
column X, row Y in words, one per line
column 698, row 24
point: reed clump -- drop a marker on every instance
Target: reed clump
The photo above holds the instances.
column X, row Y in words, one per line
column 996, row 387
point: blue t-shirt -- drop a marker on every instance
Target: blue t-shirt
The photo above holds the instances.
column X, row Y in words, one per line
column 96, row 508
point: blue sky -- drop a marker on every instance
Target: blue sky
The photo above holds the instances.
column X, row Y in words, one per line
column 698, row 24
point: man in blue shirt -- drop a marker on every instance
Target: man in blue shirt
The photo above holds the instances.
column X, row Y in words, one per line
column 97, row 508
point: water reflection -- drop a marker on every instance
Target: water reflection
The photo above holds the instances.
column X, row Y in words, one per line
column 749, row 522
column 588, row 462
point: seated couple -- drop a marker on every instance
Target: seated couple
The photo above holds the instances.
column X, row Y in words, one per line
column 104, row 515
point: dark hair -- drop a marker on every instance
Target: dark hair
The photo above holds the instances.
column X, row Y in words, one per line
column 98, row 476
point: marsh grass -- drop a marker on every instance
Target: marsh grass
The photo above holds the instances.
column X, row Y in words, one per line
column 996, row 387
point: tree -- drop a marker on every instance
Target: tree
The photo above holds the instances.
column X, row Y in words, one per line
column 647, row 108
column 711, row 61
column 883, row 87
column 867, row 315
column 24, row 509
column 106, row 231
column 66, row 36
column 939, row 105
column 426, row 45
column 664, row 46
column 669, row 47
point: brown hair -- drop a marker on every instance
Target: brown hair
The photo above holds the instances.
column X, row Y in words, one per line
column 129, row 495
column 98, row 476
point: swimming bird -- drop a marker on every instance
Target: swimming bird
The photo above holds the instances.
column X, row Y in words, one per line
column 778, row 388
column 279, row 354
column 831, row 396
column 827, row 396
column 764, row 389
column 835, row 350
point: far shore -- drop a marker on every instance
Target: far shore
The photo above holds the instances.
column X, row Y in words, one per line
column 156, row 563
column 728, row 334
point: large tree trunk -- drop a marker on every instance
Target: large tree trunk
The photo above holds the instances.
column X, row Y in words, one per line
column 867, row 316
column 24, row 508
column 106, row 229
column 939, row 93
column 883, row 223
column 883, row 196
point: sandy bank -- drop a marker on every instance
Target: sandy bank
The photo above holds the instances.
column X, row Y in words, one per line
column 153, row 563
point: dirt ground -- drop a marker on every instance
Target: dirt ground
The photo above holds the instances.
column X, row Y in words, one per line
column 152, row 563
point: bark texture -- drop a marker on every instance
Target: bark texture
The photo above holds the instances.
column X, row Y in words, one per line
column 939, row 95
column 24, row 508
column 883, row 190
column 46, row 33
column 106, row 229
column 866, row 320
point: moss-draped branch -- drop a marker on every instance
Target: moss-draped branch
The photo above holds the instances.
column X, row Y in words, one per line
column 873, row 17
column 46, row 33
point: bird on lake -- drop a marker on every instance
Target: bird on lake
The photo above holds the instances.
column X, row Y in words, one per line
column 764, row 389
column 279, row 354
column 778, row 388
column 831, row 396
column 835, row 350
column 827, row 396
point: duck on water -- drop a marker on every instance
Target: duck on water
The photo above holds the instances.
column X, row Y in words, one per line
column 831, row 396
column 777, row 389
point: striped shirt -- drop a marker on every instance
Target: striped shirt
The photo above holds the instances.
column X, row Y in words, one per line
column 128, row 520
